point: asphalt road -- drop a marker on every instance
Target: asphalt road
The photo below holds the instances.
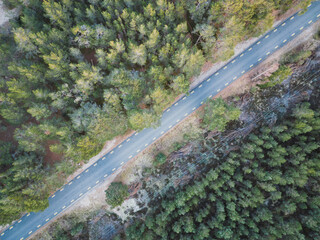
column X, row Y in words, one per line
column 112, row 161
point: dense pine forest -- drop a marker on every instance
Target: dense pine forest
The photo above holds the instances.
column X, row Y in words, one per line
column 267, row 189
column 74, row 74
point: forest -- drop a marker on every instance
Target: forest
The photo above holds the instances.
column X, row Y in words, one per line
column 75, row 74
column 266, row 189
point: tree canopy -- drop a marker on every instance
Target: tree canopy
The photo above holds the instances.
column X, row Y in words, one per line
column 267, row 188
column 74, row 74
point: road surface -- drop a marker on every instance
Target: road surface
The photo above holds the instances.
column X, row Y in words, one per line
column 109, row 163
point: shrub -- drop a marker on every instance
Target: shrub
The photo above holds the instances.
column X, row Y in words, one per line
column 160, row 159
column 116, row 194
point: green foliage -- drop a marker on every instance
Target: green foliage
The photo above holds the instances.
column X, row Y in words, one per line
column 218, row 113
column 297, row 57
column 77, row 229
column 116, row 194
column 82, row 72
column 159, row 159
column 244, row 195
column 139, row 120
column 277, row 77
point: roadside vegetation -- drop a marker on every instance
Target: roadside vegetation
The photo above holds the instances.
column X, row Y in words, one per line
column 75, row 74
column 116, row 194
